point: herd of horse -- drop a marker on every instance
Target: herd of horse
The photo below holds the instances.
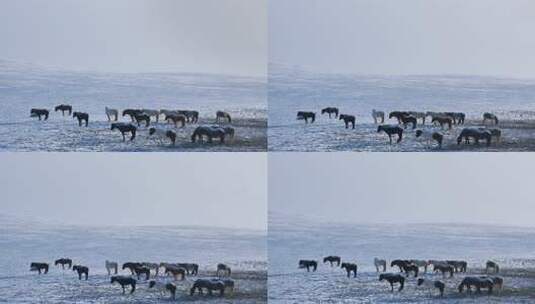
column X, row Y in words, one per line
column 490, row 281
column 144, row 117
column 411, row 119
column 161, row 281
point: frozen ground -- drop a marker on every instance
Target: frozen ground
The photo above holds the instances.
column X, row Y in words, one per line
column 292, row 89
column 291, row 239
column 22, row 242
column 23, row 87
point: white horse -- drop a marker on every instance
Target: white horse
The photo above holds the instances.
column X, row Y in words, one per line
column 112, row 112
column 112, row 266
column 420, row 263
column 152, row 266
column 163, row 288
column 378, row 114
column 152, row 113
column 161, row 135
column 379, row 263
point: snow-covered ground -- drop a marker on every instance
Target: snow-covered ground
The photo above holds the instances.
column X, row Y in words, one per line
column 25, row 86
column 291, row 239
column 292, row 89
column 23, row 242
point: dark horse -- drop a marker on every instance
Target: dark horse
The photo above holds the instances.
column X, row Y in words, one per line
column 307, row 264
column 332, row 259
column 476, row 134
column 491, row 117
column 125, row 128
column 398, row 115
column 139, row 270
column 38, row 267
column 476, row 282
column 131, row 266
column 63, row 108
column 437, row 284
column 209, row 132
column 492, row 265
column 39, row 113
column 209, row 285
column 393, row 278
column 400, row 263
column 81, row 117
column 222, row 115
column 443, row 120
column 81, row 270
column 63, row 262
column 458, row 266
column 132, row 113
column 408, row 268
column 444, row 268
column 139, row 117
column 223, row 270
column 124, row 281
column 407, row 119
column 191, row 116
column 191, row 268
column 348, row 119
column 176, row 118
column 306, row 115
column 391, row 130
column 330, row 110
column 458, row 117
column 350, row 267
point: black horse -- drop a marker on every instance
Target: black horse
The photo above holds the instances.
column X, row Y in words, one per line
column 330, row 110
column 491, row 117
column 408, row 119
column 477, row 282
column 436, row 284
column 349, row 267
column 140, row 270
column 39, row 267
column 306, row 115
column 391, row 130
column 458, row 266
column 39, row 113
column 209, row 285
column 307, row 264
column 125, row 128
column 408, row 268
column 348, row 119
column 443, row 120
column 458, row 117
column 124, row 281
column 400, row 263
column 223, row 270
column 191, row 116
column 393, row 278
column 140, row 117
column 176, row 118
column 398, row 115
column 63, row 108
column 191, row 268
column 444, row 268
column 132, row 113
column 332, row 259
column 476, row 134
column 81, row 117
column 63, row 262
column 82, row 270
column 492, row 265
column 131, row 266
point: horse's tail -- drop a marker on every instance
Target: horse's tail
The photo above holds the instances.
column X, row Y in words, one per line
column 229, row 119
column 496, row 119
column 193, row 136
column 313, row 117
column 133, row 134
column 400, row 134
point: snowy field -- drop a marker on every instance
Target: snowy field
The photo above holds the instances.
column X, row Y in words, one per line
column 24, row 86
column 292, row 239
column 22, row 242
column 291, row 89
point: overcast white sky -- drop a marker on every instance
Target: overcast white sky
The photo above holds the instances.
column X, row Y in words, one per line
column 214, row 36
column 495, row 188
column 484, row 37
column 208, row 189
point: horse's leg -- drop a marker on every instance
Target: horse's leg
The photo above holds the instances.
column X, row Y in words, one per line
column 392, row 286
column 390, row 138
column 124, row 291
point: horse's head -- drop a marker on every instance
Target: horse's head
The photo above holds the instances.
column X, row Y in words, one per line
column 382, row 277
column 419, row 133
column 420, row 281
column 379, row 129
column 172, row 136
column 113, row 126
column 459, row 139
column 152, row 130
